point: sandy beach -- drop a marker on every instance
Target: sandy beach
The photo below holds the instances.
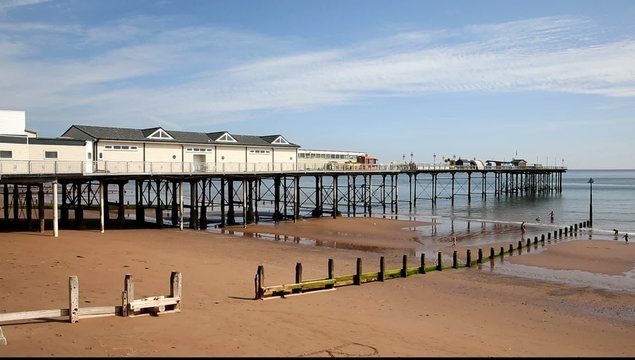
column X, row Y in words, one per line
column 455, row 312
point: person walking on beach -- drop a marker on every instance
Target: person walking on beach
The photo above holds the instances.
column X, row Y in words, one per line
column 626, row 237
column 522, row 227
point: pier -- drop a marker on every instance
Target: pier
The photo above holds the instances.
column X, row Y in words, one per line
column 161, row 195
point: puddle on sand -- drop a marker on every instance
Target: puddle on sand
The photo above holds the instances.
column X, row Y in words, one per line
column 624, row 282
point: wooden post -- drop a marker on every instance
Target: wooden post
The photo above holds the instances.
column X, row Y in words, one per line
column 511, row 249
column 520, row 244
column 491, row 253
column 358, row 277
column 529, row 241
column 455, row 262
column 260, row 281
column 382, row 269
column 298, row 275
column 439, row 263
column 331, row 269
column 479, row 260
column 502, row 253
column 422, row 268
column 404, row 266
column 176, row 287
column 128, row 295
column 468, row 257
column 73, row 298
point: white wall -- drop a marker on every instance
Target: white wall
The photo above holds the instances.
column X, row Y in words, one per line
column 12, row 122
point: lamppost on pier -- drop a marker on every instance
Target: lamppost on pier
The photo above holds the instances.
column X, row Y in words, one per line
column 590, row 202
column 434, row 157
column 411, row 156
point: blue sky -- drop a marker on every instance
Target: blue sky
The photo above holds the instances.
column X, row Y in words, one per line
column 552, row 82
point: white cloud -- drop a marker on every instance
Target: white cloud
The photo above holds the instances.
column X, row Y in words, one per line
column 141, row 68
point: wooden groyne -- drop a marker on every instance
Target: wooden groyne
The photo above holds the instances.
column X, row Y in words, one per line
column 130, row 307
column 330, row 282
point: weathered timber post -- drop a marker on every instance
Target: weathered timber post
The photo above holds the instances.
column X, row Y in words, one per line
column 298, row 276
column 468, row 256
column 520, row 244
column 260, row 282
column 127, row 295
column 358, row 277
column 529, row 241
column 404, row 266
column 511, row 249
column 422, row 268
column 479, row 260
column 491, row 253
column 455, row 262
column 382, row 269
column 176, row 287
column 73, row 299
column 502, row 253
column 331, row 269
column 439, row 263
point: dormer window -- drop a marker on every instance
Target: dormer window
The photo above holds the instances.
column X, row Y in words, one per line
column 161, row 135
column 226, row 138
column 280, row 141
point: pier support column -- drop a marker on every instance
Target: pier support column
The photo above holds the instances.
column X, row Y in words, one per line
column 64, row 210
column 140, row 214
column 79, row 207
column 276, row 201
column 29, row 208
column 194, row 205
column 16, row 204
column 5, row 203
column 105, row 202
column 175, row 204
column 121, row 209
column 317, row 212
column 250, row 202
column 40, row 207
column 203, row 212
column 296, row 202
column 158, row 210
column 55, row 224
column 231, row 215
column 102, row 199
column 335, row 195
column 222, row 202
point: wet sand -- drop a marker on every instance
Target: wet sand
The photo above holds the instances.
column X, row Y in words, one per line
column 456, row 312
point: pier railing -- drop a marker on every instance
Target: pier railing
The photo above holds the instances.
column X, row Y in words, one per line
column 47, row 167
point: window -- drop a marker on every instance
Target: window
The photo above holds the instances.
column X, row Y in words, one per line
column 160, row 134
column 259, row 152
column 120, row 147
column 198, row 150
column 226, row 138
column 6, row 154
column 281, row 140
column 50, row 154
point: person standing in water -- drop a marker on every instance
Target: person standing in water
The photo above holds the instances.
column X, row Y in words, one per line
column 551, row 215
column 626, row 237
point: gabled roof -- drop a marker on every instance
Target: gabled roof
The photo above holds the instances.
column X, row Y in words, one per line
column 89, row 132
